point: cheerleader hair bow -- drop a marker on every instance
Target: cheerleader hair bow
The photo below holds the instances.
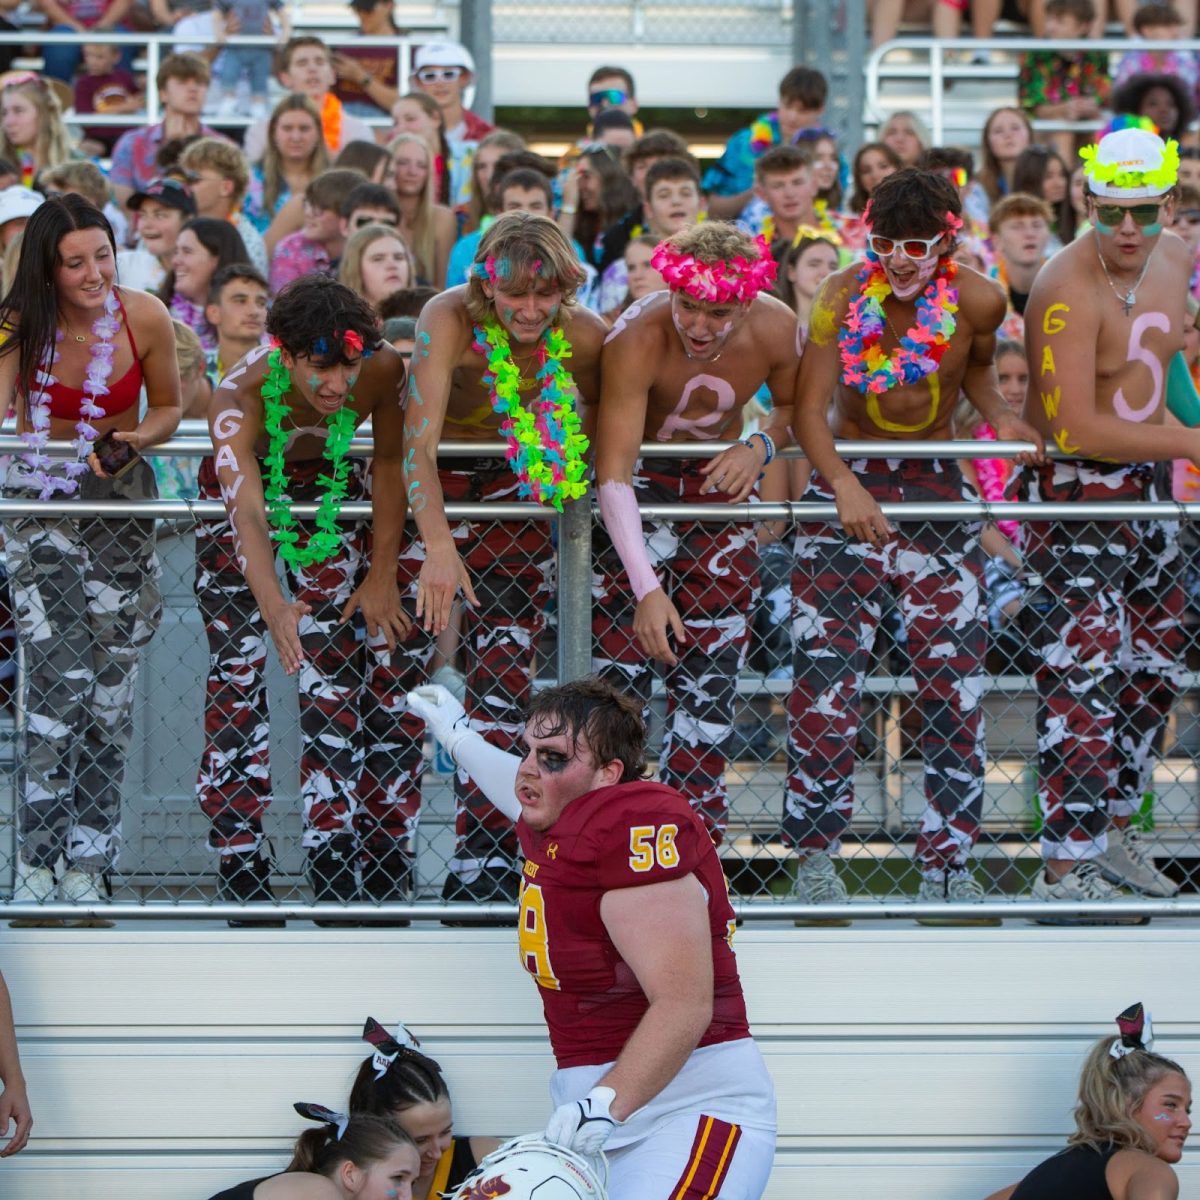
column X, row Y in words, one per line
column 387, row 1047
column 323, row 1115
column 1136, row 1032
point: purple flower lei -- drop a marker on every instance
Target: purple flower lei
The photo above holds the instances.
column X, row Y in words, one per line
column 95, row 385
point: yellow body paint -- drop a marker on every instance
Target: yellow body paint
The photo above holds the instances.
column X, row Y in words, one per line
column 1060, row 440
column 1051, row 323
column 1050, row 403
column 822, row 326
column 1048, row 367
column 935, row 401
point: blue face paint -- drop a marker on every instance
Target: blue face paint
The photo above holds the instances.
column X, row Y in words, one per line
column 314, row 382
column 1106, row 230
column 508, row 314
column 1163, row 1117
column 1152, row 230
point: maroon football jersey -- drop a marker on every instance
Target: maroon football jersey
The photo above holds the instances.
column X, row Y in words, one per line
column 627, row 835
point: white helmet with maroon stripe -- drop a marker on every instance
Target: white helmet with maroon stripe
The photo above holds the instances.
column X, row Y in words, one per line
column 530, row 1168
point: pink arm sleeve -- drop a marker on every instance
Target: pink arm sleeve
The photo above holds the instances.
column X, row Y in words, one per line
column 619, row 510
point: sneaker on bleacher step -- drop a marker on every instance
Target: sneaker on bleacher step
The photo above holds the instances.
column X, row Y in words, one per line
column 34, row 885
column 78, row 886
column 387, row 875
column 1127, row 863
column 817, row 882
column 332, row 876
column 1084, row 883
column 246, row 879
column 953, row 887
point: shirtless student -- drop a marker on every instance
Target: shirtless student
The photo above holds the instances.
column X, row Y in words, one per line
column 1105, row 318
column 679, row 366
column 281, row 422
column 492, row 345
column 858, row 382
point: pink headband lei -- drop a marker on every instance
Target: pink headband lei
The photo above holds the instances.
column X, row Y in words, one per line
column 739, row 279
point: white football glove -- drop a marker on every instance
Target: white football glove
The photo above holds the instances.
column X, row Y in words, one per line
column 583, row 1125
column 444, row 716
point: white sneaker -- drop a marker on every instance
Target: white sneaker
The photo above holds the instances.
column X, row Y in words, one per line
column 84, row 887
column 817, row 882
column 1127, row 862
column 956, row 887
column 33, row 885
column 1083, row 883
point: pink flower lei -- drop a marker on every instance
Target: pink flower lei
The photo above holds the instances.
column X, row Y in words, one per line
column 739, row 279
column 95, row 385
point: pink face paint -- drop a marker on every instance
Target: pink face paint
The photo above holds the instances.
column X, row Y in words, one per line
column 1138, row 353
column 699, row 427
column 619, row 511
column 925, row 269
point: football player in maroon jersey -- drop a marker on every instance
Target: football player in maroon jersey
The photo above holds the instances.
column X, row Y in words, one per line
column 626, row 927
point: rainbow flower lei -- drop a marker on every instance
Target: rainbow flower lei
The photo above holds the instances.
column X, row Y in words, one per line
column 864, row 365
column 95, row 385
column 545, row 445
column 325, row 541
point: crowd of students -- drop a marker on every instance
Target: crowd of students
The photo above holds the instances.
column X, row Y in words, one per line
column 217, row 231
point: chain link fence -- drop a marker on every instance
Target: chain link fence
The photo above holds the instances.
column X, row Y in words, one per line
column 869, row 745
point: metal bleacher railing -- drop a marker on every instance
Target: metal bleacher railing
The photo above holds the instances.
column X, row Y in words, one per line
column 155, row 46
column 166, row 870
column 936, row 73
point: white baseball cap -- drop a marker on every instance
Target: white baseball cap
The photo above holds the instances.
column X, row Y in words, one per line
column 1134, row 153
column 17, row 202
column 443, row 54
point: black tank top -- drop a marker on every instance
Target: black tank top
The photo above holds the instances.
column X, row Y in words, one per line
column 241, row 1191
column 1076, row 1172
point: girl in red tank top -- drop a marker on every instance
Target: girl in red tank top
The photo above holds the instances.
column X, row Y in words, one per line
column 84, row 588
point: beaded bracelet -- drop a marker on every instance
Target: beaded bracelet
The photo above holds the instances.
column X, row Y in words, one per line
column 767, row 442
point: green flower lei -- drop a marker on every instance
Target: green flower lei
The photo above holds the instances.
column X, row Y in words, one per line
column 1162, row 177
column 325, row 541
column 545, row 446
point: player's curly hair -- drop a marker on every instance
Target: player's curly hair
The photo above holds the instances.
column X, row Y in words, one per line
column 610, row 720
column 316, row 311
column 913, row 203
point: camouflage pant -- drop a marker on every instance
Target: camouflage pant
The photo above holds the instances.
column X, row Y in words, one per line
column 511, row 565
column 234, row 781
column 86, row 600
column 841, row 589
column 710, row 571
column 1106, row 628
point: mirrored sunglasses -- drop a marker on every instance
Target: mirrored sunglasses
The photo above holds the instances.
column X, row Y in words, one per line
column 609, row 98
column 914, row 248
column 1142, row 214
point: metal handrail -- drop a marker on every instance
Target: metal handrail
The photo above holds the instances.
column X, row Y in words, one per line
column 939, row 70
column 154, row 43
column 751, row 910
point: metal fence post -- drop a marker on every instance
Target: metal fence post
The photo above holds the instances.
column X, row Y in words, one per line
column 475, row 29
column 575, row 591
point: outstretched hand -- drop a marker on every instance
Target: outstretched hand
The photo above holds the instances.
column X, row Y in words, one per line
column 442, row 713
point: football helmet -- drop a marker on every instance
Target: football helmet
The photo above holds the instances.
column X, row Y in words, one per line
column 530, row 1168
